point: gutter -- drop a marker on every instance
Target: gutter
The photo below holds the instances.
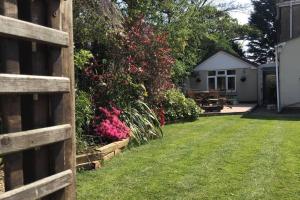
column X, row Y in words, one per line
column 278, row 49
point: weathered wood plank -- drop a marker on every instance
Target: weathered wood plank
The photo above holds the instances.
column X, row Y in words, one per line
column 15, row 28
column 58, row 101
column 89, row 165
column 68, row 61
column 11, row 105
column 40, row 112
column 14, row 142
column 40, row 188
column 112, row 154
column 113, row 146
column 12, row 83
column 107, row 148
column 123, row 143
column 63, row 106
column 89, row 157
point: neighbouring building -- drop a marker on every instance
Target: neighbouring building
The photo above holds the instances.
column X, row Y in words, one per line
column 288, row 55
column 227, row 73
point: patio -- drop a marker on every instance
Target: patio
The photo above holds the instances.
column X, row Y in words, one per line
column 234, row 109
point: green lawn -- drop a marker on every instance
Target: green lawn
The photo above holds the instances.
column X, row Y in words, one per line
column 226, row 157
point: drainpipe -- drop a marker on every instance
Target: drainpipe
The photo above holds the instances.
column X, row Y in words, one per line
column 277, row 53
column 277, row 79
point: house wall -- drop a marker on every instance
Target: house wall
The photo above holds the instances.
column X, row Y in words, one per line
column 245, row 91
column 289, row 74
column 285, row 14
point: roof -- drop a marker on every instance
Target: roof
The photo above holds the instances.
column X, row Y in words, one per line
column 289, row 40
column 268, row 65
column 224, row 60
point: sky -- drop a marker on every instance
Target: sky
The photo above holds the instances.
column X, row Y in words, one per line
column 241, row 15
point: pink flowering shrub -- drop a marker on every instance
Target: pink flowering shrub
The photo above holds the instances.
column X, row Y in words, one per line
column 109, row 126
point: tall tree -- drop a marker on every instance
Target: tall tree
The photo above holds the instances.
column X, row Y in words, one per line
column 93, row 19
column 263, row 41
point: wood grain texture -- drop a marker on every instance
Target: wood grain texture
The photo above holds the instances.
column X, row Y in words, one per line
column 40, row 188
column 123, row 143
column 89, row 157
column 107, row 148
column 11, row 105
column 12, row 84
column 68, row 63
column 61, row 62
column 40, row 105
column 15, row 28
column 14, row 142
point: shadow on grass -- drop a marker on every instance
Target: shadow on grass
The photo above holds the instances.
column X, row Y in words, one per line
column 263, row 114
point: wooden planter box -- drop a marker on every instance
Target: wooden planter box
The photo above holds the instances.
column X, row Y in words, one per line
column 96, row 159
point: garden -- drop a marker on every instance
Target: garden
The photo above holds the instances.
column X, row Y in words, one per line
column 131, row 63
column 125, row 87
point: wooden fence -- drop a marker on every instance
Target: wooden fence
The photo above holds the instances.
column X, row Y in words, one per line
column 37, row 99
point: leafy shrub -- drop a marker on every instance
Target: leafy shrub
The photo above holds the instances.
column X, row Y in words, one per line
column 84, row 113
column 178, row 107
column 109, row 126
column 149, row 58
column 143, row 123
column 82, row 58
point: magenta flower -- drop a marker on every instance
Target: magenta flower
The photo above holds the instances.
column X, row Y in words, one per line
column 111, row 127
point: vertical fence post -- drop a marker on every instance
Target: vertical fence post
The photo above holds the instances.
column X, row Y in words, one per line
column 11, row 105
column 62, row 106
column 57, row 157
column 68, row 63
column 40, row 102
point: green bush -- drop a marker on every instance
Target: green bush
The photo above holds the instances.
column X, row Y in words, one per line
column 84, row 114
column 142, row 122
column 178, row 107
column 82, row 58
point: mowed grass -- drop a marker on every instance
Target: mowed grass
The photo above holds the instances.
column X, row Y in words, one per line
column 225, row 157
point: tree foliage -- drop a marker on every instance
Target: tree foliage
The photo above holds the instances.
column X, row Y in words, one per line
column 139, row 63
column 263, row 41
column 93, row 20
column 196, row 29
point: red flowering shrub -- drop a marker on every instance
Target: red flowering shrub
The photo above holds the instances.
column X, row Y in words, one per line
column 109, row 126
column 141, row 57
column 149, row 58
column 136, row 67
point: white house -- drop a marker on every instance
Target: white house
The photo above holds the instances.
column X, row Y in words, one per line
column 228, row 73
column 288, row 55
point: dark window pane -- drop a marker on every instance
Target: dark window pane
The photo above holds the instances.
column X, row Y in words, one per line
column 211, row 84
column 231, row 83
column 211, row 73
column 230, row 72
column 221, row 83
column 221, row 72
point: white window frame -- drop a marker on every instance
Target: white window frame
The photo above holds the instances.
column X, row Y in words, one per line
column 214, row 77
column 226, row 77
column 231, row 76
